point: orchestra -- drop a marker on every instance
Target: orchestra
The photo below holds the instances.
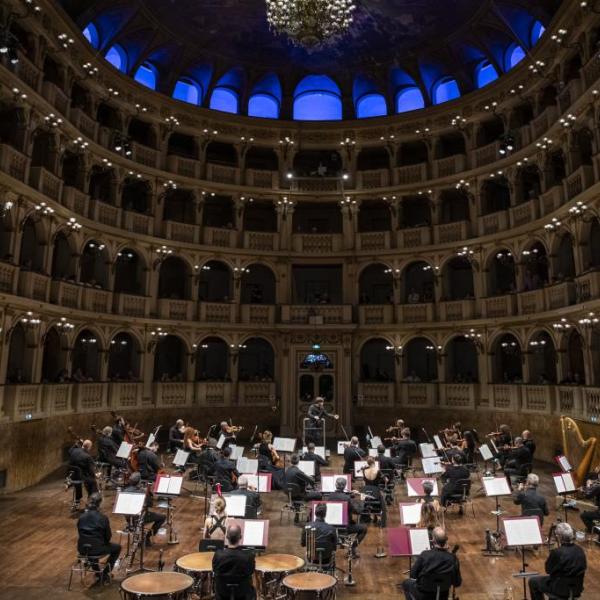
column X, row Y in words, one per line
column 384, row 469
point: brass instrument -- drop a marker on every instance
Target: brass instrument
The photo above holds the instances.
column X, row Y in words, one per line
column 580, row 452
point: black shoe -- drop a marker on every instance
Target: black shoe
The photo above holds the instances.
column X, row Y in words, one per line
column 461, row 511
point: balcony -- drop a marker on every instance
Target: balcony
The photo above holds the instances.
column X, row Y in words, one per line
column 538, row 399
column 569, row 94
column 180, row 232
column 543, row 122
column 27, row 72
column 449, row 233
column 75, row 200
column 376, row 314
column 188, row 167
column 55, row 96
column 126, row 395
column 376, row 394
column 587, row 286
column 260, row 240
column 45, row 182
column 319, row 314
column 57, row 399
column 486, row 154
column 415, row 313
column 374, row 240
column 213, row 393
column 570, row 400
column 137, row 222
column 90, row 397
column 446, row 167
column 317, row 243
column 493, row 223
column 257, row 393
column 458, row 395
column 560, row 295
column 505, row 397
column 9, row 275
column 578, row 181
column 105, row 213
column 531, row 303
column 23, row 402
column 168, row 394
column 498, row 307
column 179, row 310
column 419, row 395
column 144, row 155
column 217, row 312
column 34, row 285
column 224, row 238
column 14, row 163
column 370, row 180
column 524, row 213
column 410, row 174
column 414, row 238
column 96, row 300
column 457, row 310
column 268, row 180
column 66, row 293
column 84, row 123
column 222, row 174
column 258, row 314
column 130, row 305
column 551, row 200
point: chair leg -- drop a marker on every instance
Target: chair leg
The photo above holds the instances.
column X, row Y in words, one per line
column 70, row 579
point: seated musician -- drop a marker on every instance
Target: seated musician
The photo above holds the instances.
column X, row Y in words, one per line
column 157, row 520
column 93, row 528
column 107, row 449
column 453, row 477
column 470, row 440
column 214, row 524
column 149, row 463
column 118, row 430
column 176, row 436
column 529, row 442
column 455, row 449
column 565, row 568
column 530, row 500
column 266, row 448
column 228, row 433
column 325, row 536
column 233, row 566
column 431, row 511
column 517, row 459
column 375, row 481
column 386, row 463
column 84, row 469
column 351, row 454
column 355, row 508
column 591, row 491
column 253, row 501
column 300, row 481
column 225, row 471
column 319, row 461
column 429, row 566
column 405, row 448
column 191, row 443
column 503, row 440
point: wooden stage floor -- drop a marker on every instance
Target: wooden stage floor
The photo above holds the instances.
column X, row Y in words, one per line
column 38, row 540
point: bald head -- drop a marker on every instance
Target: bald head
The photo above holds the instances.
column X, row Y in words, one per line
column 234, row 535
column 440, row 539
column 87, row 445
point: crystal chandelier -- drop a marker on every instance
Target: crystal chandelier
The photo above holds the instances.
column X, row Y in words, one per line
column 310, row 23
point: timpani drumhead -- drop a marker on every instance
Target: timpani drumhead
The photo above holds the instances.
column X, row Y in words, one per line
column 309, row 582
column 197, row 562
column 278, row 563
column 157, row 584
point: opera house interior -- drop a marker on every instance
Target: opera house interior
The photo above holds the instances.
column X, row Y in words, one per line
column 300, row 299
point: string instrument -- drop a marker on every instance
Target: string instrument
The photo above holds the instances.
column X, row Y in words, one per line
column 393, row 428
column 76, row 439
column 234, row 428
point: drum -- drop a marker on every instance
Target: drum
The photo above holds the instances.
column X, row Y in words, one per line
column 157, row 586
column 270, row 571
column 310, row 586
column 199, row 567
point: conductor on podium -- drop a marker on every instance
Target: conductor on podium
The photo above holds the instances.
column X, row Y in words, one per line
column 316, row 416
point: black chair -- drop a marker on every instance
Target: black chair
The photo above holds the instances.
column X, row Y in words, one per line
column 74, row 480
column 295, row 504
column 436, row 586
column 88, row 563
column 567, row 588
column 207, row 545
column 463, row 497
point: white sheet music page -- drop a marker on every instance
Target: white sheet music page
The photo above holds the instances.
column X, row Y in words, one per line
column 253, row 533
column 522, row 531
column 181, row 457
column 376, row 441
column 124, row 450
column 307, row 467
column 163, row 484
column 373, row 452
column 496, row 486
column 236, row 452
column 319, row 451
column 427, row 450
column 564, row 463
column 335, row 513
column 342, row 445
column 564, row 482
column 128, row 503
column 410, row 514
column 433, row 465
column 419, row 541
column 485, row 452
column 284, row 444
column 259, row 482
column 359, row 465
column 438, row 442
column 235, row 505
column 175, row 485
column 220, row 441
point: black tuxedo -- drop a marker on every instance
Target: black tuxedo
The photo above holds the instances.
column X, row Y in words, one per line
column 351, row 454
column 234, row 566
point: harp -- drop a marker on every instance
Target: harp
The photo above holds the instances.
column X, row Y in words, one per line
column 580, row 452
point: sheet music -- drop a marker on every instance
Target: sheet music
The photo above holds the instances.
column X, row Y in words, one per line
column 564, row 463
column 433, row 465
column 523, row 531
column 247, row 466
column 342, row 445
column 373, row 452
column 124, row 450
column 419, row 541
column 151, row 440
column 129, row 503
column 496, row 486
column 415, row 487
column 359, row 465
column 335, row 513
column 494, row 446
column 254, row 533
column 307, row 467
column 328, row 483
column 485, row 452
column 564, row 482
column 169, row 485
column 427, row 450
column 235, row 505
column 410, row 514
column 284, row 444
column 376, row 441
column 260, row 482
column 181, row 457
column 319, row 451
column 236, row 452
column 438, row 442
column 220, row 441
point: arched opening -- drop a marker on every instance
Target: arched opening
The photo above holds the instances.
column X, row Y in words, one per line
column 215, row 282
column 94, row 265
column 221, row 153
column 13, row 127
column 102, row 184
column 179, row 206
column 529, row 184
column 445, row 90
column 31, row 257
column 420, row 361
column 520, row 116
column 556, row 169
column 142, row 133
column 375, row 285
column 43, row 152
column 72, row 170
column 412, row 153
column 136, row 195
column 374, row 215
column 485, row 73
column 108, row 116
column 462, row 364
column 225, row 99
column 174, row 279
column 218, row 212
column 490, row 131
column 256, row 361
column 258, row 285
column 572, row 68
column 117, row 57
column 317, row 98
column 5, row 238
column 535, row 264
column 212, row 360
column 20, row 357
column 52, row 72
column 454, row 206
column 146, row 75
column 64, row 264
column 317, row 217
column 86, row 357
column 507, row 360
column 260, row 216
column 495, row 195
column 564, row 261
column 170, row 359
column 317, row 163
column 187, row 90
column 574, row 367
column 129, row 273
column 458, row 279
column 584, row 150
column 542, row 359
column 262, row 159
column 408, row 99
column 54, row 358
column 450, row 144
column 418, row 283
column 371, row 105
column 416, row 211
column 377, row 363
column 80, row 98
column 502, row 273
column 514, row 55
column 182, row 145
column 263, row 106
column 123, row 358
column 372, row 158
column 592, row 249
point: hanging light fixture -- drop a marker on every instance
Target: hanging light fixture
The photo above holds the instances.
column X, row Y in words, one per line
column 310, row 23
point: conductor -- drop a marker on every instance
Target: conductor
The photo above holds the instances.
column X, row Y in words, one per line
column 316, row 416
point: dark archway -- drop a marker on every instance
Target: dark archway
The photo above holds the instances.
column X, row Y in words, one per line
column 180, row 206
column 495, row 195
column 86, row 357
column 31, row 257
column 262, row 159
column 416, row 211
column 542, row 359
column 258, row 285
column 218, row 212
column 376, row 285
column 221, row 153
column 20, row 357
column 418, row 283
column 454, row 206
column 458, row 279
column 142, row 133
column 212, row 360
column 170, row 359
column 94, row 264
column 64, row 258
column 374, row 215
column 462, row 363
column 136, row 195
column 574, row 372
column 564, row 262
column 507, row 360
column 124, row 358
column 54, row 358
column 174, row 279
column 103, row 185
column 490, row 131
column 528, row 184
column 256, row 361
column 377, row 363
column 412, row 153
column 216, row 283
column 182, row 145
column 420, row 360
column 535, row 267
column 260, row 216
column 502, row 273
column 450, row 144
column 372, row 158
column 129, row 273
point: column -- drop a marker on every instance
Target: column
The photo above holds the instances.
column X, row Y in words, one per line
column 285, row 213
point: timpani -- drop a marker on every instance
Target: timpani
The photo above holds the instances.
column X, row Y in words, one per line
column 271, row 570
column 164, row 585
column 198, row 566
column 310, row 586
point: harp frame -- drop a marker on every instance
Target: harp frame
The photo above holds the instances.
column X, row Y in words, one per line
column 569, row 425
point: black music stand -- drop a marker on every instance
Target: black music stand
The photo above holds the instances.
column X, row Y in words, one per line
column 495, row 487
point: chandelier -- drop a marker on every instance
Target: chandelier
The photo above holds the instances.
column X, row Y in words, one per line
column 310, row 23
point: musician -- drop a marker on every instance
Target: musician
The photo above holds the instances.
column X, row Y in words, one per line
column 300, row 480
column 355, row 509
column 207, row 459
column 94, row 529
column 225, row 471
column 375, row 481
column 386, row 463
column 317, row 415
column 352, row 453
column 228, row 432
column 503, row 440
column 453, row 477
column 591, row 491
column 325, row 534
column 214, row 524
column 232, row 565
column 531, row 502
column 191, row 443
column 430, row 563
column 266, row 448
column 319, row 461
column 157, row 520
column 405, row 448
column 517, row 459
column 431, row 511
column 148, row 462
column 565, row 566
column 176, row 436
column 107, row 449
column 455, row 450
column 528, row 442
column 253, row 501
column 397, row 427
column 469, row 445
column 118, row 430
column 84, row 469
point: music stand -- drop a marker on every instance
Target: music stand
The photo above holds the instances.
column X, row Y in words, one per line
column 406, row 541
column 410, row 513
column 255, row 532
column 261, row 481
column 564, row 485
column 169, row 487
column 414, row 486
column 488, row 456
column 284, row 446
column 522, row 532
column 328, row 482
column 132, row 504
column 495, row 487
